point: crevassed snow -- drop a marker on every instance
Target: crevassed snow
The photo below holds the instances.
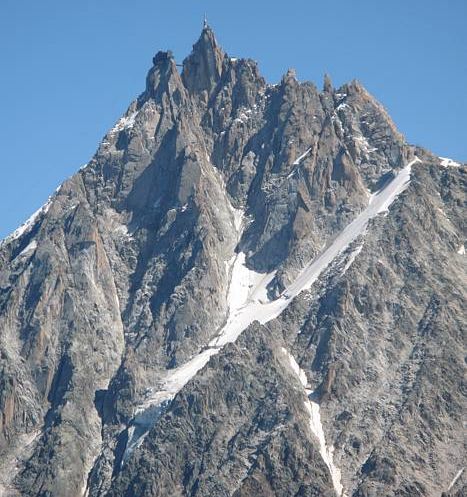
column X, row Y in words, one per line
column 248, row 302
column 316, row 427
column 27, row 225
column 446, row 162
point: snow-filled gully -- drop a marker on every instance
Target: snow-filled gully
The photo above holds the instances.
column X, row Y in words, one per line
column 316, row 427
column 248, row 303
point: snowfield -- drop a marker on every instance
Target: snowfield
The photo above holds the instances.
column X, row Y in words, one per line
column 248, row 303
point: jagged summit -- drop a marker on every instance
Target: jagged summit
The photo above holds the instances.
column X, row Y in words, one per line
column 203, row 67
column 250, row 290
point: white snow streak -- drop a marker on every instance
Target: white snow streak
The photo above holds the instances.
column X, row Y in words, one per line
column 30, row 247
column 302, row 157
column 461, row 250
column 248, row 302
column 379, row 203
column 298, row 161
column 458, row 475
column 316, row 427
column 352, row 257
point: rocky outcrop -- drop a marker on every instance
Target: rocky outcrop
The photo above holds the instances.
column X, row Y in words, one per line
column 113, row 294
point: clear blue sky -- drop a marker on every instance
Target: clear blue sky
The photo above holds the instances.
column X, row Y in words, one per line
column 70, row 68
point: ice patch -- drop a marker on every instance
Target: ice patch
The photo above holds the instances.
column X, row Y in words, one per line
column 316, row 426
column 380, row 202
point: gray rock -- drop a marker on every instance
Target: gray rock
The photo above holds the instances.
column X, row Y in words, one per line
column 124, row 276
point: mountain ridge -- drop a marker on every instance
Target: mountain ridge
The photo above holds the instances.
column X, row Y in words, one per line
column 124, row 277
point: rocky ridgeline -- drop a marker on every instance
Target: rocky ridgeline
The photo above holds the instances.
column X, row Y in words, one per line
column 125, row 276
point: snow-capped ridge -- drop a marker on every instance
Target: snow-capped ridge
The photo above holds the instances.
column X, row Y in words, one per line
column 28, row 224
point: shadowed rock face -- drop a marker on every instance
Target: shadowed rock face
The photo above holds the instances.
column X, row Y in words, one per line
column 128, row 273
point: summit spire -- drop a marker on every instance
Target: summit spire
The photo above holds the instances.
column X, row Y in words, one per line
column 205, row 22
column 203, row 67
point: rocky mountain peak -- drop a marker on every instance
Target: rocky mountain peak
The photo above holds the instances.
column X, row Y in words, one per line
column 327, row 85
column 162, row 75
column 202, row 69
column 265, row 278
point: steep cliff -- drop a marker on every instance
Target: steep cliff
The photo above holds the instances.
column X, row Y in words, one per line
column 249, row 290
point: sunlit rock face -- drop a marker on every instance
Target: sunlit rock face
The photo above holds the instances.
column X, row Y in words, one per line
column 250, row 290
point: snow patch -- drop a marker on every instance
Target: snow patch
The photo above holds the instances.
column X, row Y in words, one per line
column 30, row 247
column 27, row 225
column 446, row 162
column 125, row 122
column 238, row 218
column 316, row 426
column 247, row 302
column 364, row 145
column 379, row 202
column 461, row 250
column 352, row 257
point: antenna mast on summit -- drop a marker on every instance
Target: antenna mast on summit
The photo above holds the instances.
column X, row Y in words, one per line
column 205, row 23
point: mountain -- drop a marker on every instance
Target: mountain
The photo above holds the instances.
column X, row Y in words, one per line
column 250, row 290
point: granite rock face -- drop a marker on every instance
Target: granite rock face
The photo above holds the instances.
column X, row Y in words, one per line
column 211, row 196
